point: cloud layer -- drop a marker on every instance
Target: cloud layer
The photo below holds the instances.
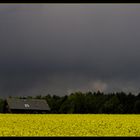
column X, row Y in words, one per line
column 59, row 48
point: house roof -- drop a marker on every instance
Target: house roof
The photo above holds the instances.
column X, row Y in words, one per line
column 27, row 104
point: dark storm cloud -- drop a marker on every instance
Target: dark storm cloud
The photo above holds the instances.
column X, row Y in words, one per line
column 61, row 48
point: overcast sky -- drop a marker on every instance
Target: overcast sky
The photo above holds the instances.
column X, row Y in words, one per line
column 63, row 48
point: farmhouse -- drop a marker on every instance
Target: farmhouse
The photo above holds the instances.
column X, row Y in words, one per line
column 14, row 105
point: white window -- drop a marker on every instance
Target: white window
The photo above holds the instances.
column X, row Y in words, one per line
column 26, row 105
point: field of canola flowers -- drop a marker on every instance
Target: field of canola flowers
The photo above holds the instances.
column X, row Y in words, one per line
column 69, row 125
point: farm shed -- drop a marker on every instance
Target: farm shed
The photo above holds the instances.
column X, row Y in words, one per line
column 14, row 105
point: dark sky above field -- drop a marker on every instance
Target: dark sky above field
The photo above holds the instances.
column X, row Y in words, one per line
column 63, row 48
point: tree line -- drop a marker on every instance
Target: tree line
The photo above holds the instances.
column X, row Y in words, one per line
column 90, row 102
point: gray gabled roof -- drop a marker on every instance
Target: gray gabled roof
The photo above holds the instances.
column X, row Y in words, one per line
column 27, row 104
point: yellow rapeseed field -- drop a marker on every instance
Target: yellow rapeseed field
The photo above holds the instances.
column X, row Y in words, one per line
column 69, row 125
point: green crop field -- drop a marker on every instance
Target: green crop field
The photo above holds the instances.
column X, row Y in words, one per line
column 69, row 125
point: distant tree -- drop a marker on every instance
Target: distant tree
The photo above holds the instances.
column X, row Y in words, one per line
column 90, row 104
column 38, row 97
column 60, row 103
column 56, row 102
column 122, row 107
column 1, row 105
column 66, row 106
column 79, row 102
column 29, row 97
column 137, row 106
column 48, row 98
column 138, row 96
column 111, row 105
column 129, row 104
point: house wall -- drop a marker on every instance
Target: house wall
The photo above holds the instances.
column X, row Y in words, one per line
column 29, row 111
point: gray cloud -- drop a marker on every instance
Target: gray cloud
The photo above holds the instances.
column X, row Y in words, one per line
column 59, row 48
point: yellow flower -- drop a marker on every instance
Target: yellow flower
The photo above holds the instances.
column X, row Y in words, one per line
column 69, row 125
